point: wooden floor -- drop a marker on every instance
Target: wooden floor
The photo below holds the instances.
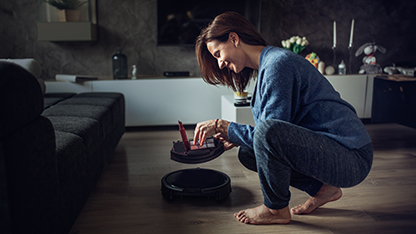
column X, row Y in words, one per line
column 127, row 198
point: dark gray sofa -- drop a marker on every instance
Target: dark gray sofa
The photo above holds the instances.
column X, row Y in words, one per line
column 53, row 149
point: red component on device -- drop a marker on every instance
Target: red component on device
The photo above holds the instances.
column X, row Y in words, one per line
column 184, row 137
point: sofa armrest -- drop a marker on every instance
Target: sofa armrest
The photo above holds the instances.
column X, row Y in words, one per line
column 33, row 185
column 21, row 98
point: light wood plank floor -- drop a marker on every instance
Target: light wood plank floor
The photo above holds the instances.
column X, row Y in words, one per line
column 127, row 198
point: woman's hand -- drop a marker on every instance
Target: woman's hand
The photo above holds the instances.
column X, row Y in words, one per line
column 209, row 128
column 224, row 139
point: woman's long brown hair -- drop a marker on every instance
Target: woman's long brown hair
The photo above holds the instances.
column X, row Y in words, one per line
column 219, row 29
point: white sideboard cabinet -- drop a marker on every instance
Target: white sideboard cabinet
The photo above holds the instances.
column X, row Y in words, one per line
column 356, row 90
column 157, row 101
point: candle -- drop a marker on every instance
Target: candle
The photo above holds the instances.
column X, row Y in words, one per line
column 335, row 33
column 352, row 32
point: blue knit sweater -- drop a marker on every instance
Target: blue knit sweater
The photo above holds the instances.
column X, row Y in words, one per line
column 291, row 89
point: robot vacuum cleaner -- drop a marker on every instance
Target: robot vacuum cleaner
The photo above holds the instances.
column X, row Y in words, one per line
column 196, row 182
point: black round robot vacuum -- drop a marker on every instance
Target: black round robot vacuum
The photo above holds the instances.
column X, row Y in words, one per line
column 196, row 182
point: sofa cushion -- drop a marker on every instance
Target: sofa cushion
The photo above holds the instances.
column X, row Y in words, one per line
column 32, row 66
column 109, row 103
column 117, row 107
column 102, row 107
column 21, row 98
column 53, row 98
column 70, row 153
column 86, row 128
column 98, row 113
column 71, row 158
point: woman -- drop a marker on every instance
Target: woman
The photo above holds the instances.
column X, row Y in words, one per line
column 306, row 136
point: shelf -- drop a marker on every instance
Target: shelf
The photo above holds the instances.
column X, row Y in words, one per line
column 67, row 31
column 82, row 28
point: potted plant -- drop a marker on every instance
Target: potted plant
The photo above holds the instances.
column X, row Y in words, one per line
column 67, row 9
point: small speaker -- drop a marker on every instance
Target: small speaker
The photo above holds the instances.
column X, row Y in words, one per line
column 175, row 73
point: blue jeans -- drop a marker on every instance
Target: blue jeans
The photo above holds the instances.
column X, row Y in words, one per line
column 285, row 154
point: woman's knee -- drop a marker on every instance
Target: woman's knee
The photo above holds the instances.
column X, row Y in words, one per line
column 267, row 130
column 262, row 129
column 270, row 139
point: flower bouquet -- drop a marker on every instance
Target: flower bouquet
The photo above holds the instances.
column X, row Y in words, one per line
column 295, row 44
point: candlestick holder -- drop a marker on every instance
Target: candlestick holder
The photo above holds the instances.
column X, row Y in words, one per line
column 334, row 48
column 351, row 52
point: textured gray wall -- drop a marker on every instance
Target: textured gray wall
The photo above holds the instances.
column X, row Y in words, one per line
column 389, row 23
column 131, row 24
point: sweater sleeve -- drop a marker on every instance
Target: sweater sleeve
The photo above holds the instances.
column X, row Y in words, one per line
column 241, row 134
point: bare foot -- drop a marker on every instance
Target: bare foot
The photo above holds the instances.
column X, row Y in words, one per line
column 326, row 194
column 264, row 215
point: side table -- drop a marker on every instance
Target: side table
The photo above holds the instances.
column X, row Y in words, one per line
column 240, row 114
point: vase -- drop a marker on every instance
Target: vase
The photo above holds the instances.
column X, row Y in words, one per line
column 68, row 15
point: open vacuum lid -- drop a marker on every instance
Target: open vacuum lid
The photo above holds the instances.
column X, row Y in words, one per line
column 188, row 152
column 211, row 149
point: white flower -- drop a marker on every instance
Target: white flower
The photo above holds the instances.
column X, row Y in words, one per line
column 304, row 42
column 301, row 43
